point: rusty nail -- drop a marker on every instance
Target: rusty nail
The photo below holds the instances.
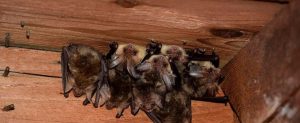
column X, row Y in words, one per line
column 184, row 42
column 22, row 23
column 6, row 72
column 7, row 39
column 27, row 33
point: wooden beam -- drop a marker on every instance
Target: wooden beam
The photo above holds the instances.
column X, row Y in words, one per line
column 39, row 99
column 55, row 23
column 262, row 81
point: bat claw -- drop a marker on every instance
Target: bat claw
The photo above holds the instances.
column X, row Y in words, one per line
column 119, row 115
column 85, row 102
column 66, row 95
column 95, row 105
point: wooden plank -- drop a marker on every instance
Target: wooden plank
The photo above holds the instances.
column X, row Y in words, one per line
column 38, row 99
column 30, row 61
column 264, row 78
column 96, row 22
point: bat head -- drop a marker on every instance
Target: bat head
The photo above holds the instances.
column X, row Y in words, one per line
column 127, row 56
column 205, row 74
column 175, row 53
column 158, row 66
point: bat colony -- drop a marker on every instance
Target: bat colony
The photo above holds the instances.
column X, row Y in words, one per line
column 160, row 80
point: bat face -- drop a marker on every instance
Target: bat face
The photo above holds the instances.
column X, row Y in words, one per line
column 127, row 56
column 175, row 53
column 157, row 69
column 82, row 70
column 204, row 76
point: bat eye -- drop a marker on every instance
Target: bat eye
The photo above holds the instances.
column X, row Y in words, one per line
column 165, row 64
column 169, row 51
column 155, row 60
column 134, row 52
column 179, row 53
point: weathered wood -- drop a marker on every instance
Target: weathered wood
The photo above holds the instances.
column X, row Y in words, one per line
column 263, row 79
column 39, row 99
column 96, row 22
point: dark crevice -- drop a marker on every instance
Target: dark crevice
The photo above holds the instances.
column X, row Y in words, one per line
column 127, row 3
column 226, row 33
column 275, row 1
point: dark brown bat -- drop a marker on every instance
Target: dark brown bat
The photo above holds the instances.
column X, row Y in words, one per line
column 152, row 95
column 156, row 80
column 122, row 73
column 199, row 79
column 176, row 108
column 204, row 78
column 82, row 72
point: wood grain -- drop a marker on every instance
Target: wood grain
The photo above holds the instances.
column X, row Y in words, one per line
column 39, row 99
column 55, row 23
column 262, row 81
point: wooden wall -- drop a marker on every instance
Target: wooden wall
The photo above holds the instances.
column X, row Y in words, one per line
column 223, row 25
column 262, row 81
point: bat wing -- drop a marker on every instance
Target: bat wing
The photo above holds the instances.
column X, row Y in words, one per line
column 65, row 72
column 169, row 80
column 153, row 117
column 103, row 89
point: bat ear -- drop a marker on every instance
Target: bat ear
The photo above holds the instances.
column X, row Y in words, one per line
column 131, row 69
column 67, row 86
column 145, row 66
column 115, row 62
column 105, row 94
column 169, row 80
column 134, row 108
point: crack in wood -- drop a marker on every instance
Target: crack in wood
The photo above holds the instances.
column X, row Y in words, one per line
column 226, row 33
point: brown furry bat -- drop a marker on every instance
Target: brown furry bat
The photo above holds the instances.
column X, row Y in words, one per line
column 122, row 74
column 204, row 78
column 157, row 78
column 153, row 93
column 82, row 72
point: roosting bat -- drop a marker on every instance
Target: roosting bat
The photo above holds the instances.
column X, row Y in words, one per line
column 82, row 72
column 203, row 64
column 122, row 73
column 152, row 95
column 204, row 78
column 176, row 108
column 156, row 80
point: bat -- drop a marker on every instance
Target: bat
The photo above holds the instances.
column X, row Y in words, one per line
column 203, row 81
column 176, row 108
column 156, row 80
column 153, row 92
column 82, row 71
column 196, row 72
column 122, row 73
